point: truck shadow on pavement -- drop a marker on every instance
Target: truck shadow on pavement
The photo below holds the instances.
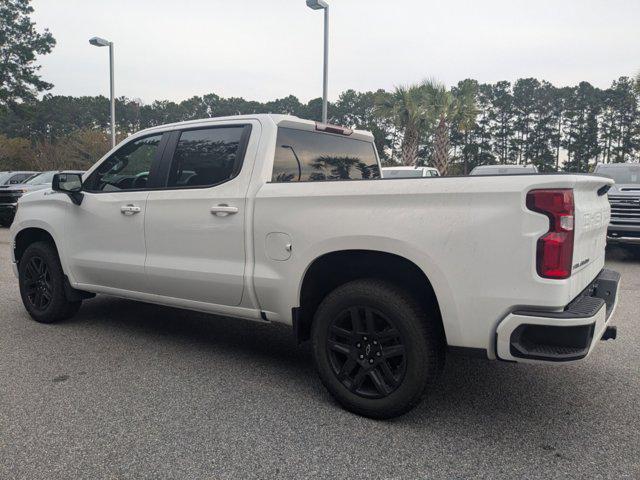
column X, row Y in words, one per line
column 471, row 392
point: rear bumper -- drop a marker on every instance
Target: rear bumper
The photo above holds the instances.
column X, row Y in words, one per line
column 623, row 234
column 532, row 336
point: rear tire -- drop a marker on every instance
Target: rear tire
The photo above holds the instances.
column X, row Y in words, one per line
column 42, row 284
column 376, row 349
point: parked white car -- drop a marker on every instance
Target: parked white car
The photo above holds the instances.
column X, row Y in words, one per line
column 276, row 219
column 504, row 170
column 409, row 172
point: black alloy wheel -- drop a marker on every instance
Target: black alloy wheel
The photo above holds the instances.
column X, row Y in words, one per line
column 366, row 352
column 38, row 288
column 376, row 348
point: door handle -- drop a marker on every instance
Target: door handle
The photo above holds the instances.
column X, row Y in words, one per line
column 223, row 210
column 129, row 209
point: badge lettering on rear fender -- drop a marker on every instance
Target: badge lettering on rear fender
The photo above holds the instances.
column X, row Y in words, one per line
column 580, row 264
column 593, row 220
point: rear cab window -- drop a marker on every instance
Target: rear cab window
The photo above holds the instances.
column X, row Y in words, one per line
column 306, row 156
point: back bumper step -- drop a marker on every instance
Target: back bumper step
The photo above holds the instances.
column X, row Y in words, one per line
column 561, row 336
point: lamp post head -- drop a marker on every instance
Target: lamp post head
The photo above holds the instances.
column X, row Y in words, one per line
column 317, row 4
column 99, row 42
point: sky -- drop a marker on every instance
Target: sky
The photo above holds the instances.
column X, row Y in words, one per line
column 262, row 50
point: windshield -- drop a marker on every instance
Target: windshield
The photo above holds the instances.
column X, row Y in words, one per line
column 43, row 178
column 619, row 173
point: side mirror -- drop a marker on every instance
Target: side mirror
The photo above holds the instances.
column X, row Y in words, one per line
column 69, row 183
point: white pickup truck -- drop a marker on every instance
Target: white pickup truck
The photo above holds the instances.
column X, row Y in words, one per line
column 276, row 219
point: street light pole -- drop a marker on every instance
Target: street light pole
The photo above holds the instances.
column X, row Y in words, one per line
column 325, row 76
column 101, row 42
column 112, row 97
column 322, row 5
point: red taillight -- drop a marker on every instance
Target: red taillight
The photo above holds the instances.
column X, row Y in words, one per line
column 555, row 248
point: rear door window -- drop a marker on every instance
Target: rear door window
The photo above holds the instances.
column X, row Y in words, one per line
column 207, row 157
column 304, row 156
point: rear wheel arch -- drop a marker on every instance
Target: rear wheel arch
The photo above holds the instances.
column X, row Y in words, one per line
column 331, row 270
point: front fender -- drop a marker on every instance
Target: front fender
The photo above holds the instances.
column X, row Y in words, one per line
column 44, row 211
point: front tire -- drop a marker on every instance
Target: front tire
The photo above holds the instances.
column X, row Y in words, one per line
column 42, row 284
column 376, row 349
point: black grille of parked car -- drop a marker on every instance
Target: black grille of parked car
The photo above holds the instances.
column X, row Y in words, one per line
column 9, row 196
column 625, row 210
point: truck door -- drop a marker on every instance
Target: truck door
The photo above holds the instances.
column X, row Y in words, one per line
column 104, row 238
column 195, row 225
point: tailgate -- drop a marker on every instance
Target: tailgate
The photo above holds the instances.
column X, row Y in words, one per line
column 592, row 214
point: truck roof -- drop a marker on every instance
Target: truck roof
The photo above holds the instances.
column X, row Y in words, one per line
column 290, row 121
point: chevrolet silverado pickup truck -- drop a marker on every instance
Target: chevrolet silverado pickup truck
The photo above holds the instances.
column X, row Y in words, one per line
column 276, row 219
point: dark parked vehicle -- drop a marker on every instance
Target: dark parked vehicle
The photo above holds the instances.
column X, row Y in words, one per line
column 624, row 198
column 9, row 196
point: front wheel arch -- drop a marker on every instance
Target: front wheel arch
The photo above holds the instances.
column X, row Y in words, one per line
column 29, row 236
column 43, row 284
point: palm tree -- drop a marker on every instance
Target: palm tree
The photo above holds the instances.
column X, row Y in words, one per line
column 416, row 109
column 442, row 110
column 449, row 109
column 407, row 107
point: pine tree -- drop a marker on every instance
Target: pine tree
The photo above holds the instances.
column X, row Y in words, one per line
column 625, row 104
column 19, row 45
column 582, row 133
column 502, row 117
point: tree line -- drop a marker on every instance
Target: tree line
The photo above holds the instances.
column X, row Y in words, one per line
column 525, row 122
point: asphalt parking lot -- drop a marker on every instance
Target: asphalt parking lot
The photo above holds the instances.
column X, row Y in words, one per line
column 129, row 390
